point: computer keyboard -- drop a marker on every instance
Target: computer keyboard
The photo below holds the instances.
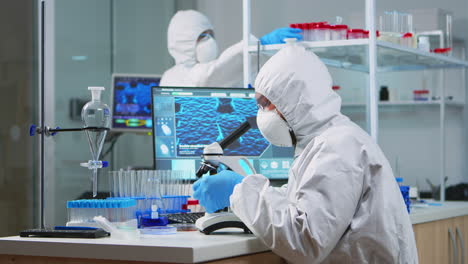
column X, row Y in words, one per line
column 184, row 218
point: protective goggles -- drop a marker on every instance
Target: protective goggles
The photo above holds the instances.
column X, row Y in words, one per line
column 263, row 103
column 205, row 36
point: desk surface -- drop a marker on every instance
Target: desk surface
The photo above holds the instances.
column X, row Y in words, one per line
column 434, row 213
column 183, row 247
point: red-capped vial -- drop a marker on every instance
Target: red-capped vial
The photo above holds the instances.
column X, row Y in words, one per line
column 365, row 33
column 338, row 32
column 355, row 33
column 322, row 31
column 421, row 95
column 407, row 40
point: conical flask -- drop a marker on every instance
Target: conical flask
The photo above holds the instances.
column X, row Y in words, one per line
column 96, row 119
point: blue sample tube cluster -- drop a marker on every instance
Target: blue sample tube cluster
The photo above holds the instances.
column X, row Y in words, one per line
column 405, row 193
column 83, row 211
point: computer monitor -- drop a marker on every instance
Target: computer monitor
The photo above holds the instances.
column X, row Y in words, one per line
column 131, row 102
column 186, row 119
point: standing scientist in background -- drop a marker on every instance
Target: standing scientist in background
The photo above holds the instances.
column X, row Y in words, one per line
column 191, row 42
column 342, row 203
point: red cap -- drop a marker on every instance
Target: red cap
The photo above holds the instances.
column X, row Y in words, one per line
column 335, row 87
column 408, row 35
column 355, row 30
column 320, row 25
column 293, row 26
column 421, row 91
column 339, row 27
column 192, row 202
column 442, row 50
column 314, row 25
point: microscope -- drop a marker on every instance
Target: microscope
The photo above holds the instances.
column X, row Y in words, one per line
column 212, row 159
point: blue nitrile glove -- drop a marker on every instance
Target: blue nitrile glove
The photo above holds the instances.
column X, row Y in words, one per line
column 213, row 191
column 278, row 35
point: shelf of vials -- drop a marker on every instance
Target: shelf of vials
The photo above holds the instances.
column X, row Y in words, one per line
column 408, row 103
column 352, row 54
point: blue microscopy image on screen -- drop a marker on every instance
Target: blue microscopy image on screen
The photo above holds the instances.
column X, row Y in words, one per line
column 133, row 97
column 203, row 120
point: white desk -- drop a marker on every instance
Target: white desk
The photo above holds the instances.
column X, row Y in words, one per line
column 183, row 247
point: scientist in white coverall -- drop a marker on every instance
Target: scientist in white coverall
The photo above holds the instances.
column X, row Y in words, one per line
column 342, row 203
column 191, row 42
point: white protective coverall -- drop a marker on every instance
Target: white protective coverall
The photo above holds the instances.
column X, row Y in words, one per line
column 182, row 34
column 342, row 203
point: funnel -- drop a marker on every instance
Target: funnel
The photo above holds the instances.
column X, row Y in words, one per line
column 96, row 121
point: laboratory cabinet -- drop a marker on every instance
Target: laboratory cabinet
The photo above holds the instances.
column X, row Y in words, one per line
column 442, row 241
column 260, row 258
column 438, row 231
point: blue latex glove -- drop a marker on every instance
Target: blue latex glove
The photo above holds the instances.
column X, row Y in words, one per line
column 213, row 191
column 278, row 35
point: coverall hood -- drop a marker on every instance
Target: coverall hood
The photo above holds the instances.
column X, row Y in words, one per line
column 182, row 34
column 302, row 94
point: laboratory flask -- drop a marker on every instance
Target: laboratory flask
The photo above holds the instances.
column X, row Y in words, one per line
column 96, row 121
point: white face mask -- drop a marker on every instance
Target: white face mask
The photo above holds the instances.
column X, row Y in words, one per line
column 207, row 49
column 274, row 128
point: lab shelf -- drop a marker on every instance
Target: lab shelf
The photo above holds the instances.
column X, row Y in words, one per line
column 408, row 103
column 352, row 54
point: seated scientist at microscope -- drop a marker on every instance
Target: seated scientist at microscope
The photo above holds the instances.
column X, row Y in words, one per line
column 342, row 203
column 192, row 44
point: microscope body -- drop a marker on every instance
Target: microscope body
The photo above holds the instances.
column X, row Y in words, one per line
column 213, row 157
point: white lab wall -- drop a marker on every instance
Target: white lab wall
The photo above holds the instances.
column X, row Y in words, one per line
column 410, row 134
column 139, row 36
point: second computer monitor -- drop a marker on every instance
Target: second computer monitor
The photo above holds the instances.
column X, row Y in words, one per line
column 187, row 119
column 131, row 102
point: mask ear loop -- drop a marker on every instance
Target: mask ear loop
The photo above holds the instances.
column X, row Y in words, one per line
column 291, row 131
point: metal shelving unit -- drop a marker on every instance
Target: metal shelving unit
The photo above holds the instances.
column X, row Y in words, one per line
column 352, row 55
column 408, row 103
column 369, row 56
